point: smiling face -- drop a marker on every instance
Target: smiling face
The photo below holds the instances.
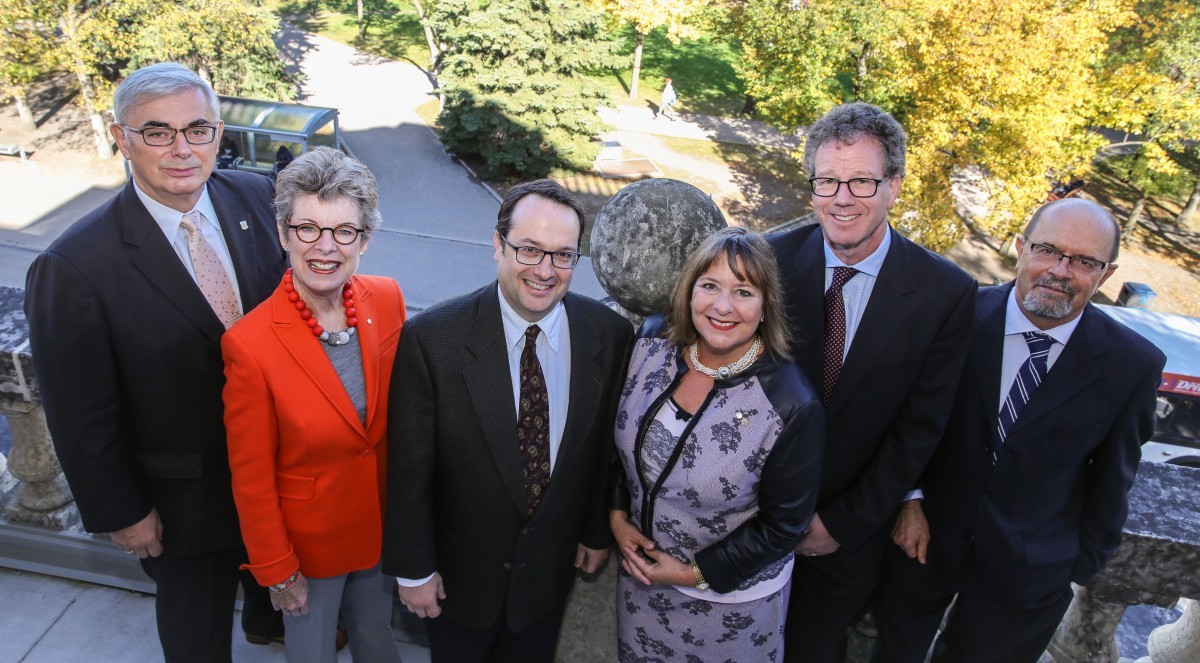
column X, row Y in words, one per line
column 320, row 269
column 532, row 290
column 174, row 174
column 853, row 227
column 726, row 311
column 1054, row 293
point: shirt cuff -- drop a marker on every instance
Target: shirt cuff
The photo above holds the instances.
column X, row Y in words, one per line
column 409, row 582
column 917, row 494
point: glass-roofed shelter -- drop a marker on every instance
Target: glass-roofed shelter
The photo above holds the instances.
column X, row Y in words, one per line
column 263, row 136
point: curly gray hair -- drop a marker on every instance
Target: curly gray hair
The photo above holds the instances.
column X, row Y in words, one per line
column 328, row 174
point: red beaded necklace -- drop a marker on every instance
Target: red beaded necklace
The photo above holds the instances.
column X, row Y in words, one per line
column 337, row 338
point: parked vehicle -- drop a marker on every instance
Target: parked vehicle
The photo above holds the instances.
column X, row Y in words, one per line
column 1177, row 433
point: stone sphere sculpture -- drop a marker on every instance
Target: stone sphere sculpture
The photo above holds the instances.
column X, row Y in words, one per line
column 643, row 235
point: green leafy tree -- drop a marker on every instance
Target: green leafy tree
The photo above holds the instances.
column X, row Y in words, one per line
column 227, row 42
column 681, row 18
column 26, row 40
column 511, row 78
column 1150, row 88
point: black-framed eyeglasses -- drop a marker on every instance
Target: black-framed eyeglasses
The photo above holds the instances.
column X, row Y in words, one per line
column 200, row 134
column 532, row 255
column 860, row 187
column 343, row 234
column 1081, row 264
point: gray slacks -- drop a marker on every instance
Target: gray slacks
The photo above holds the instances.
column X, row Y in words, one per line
column 364, row 599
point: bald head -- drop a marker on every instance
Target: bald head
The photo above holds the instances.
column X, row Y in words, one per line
column 1080, row 208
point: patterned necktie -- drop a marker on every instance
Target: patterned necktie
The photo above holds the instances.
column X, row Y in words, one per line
column 1029, row 376
column 533, row 422
column 835, row 329
column 210, row 273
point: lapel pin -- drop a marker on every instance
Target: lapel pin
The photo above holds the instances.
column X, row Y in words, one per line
column 369, row 321
column 244, row 225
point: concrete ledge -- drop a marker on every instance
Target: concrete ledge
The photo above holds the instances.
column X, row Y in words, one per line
column 71, row 555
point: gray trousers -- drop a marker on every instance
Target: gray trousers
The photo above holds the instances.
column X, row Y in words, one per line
column 364, row 599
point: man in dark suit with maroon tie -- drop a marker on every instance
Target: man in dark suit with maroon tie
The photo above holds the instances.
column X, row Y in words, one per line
column 881, row 327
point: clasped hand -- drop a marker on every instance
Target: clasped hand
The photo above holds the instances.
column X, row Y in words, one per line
column 292, row 602
column 641, row 559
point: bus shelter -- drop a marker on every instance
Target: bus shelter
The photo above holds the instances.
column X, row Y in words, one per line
column 263, row 136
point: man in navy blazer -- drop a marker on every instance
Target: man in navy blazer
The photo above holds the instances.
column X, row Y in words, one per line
column 127, row 351
column 902, row 341
column 1027, row 492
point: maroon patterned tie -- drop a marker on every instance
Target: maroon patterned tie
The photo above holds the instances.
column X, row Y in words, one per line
column 835, row 329
column 533, row 422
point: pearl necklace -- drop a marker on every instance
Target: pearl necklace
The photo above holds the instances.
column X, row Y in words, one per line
column 729, row 370
column 335, row 338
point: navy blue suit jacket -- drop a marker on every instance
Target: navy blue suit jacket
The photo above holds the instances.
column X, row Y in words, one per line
column 1050, row 510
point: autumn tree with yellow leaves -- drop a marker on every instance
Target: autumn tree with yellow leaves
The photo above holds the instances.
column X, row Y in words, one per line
column 1002, row 88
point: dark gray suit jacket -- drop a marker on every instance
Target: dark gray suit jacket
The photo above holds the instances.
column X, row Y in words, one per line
column 456, row 489
column 127, row 353
column 886, row 415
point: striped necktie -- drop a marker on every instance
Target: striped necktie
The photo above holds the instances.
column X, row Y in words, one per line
column 1029, row 377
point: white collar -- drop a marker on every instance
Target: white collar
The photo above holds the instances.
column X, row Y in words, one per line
column 515, row 325
column 1015, row 322
column 869, row 265
column 168, row 219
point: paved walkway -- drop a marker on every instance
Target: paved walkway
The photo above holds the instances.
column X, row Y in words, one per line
column 640, row 119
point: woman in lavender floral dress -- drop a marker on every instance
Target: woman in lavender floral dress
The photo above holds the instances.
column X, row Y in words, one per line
column 719, row 438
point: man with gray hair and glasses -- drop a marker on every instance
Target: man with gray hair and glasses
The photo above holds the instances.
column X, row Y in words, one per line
column 126, row 312
column 881, row 329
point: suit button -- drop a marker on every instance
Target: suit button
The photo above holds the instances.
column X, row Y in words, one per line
column 508, row 566
column 368, row 454
column 526, row 530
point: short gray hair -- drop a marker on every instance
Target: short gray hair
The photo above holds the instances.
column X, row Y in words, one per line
column 849, row 123
column 328, row 174
column 160, row 80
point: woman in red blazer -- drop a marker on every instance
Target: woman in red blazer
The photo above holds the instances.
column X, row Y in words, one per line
column 307, row 375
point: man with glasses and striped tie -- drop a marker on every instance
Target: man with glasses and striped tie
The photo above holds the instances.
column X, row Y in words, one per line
column 1027, row 492
column 126, row 312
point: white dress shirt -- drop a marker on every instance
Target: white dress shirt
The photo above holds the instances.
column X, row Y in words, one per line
column 1016, row 350
column 857, row 291
column 168, row 220
column 554, row 353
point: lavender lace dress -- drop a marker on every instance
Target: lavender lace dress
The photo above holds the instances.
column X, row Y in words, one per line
column 732, row 488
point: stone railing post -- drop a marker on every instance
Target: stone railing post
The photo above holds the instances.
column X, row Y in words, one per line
column 41, row 496
column 1157, row 563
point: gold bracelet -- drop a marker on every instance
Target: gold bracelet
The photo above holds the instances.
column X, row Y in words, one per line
column 701, row 583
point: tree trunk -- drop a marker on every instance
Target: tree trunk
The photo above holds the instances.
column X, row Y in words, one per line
column 23, row 110
column 637, row 67
column 860, row 73
column 1135, row 216
column 1188, row 215
column 67, row 25
column 430, row 37
column 362, row 28
column 750, row 105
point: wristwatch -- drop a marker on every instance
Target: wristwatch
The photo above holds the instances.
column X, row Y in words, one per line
column 701, row 583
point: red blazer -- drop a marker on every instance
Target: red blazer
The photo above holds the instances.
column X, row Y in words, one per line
column 308, row 475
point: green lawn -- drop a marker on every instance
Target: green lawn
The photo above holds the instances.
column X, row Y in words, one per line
column 394, row 33
column 701, row 69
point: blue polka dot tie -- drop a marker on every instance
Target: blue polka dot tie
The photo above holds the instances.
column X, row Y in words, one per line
column 1029, row 377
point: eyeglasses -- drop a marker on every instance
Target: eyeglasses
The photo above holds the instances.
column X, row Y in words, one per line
column 860, row 187
column 532, row 255
column 309, row 233
column 200, row 134
column 1049, row 254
